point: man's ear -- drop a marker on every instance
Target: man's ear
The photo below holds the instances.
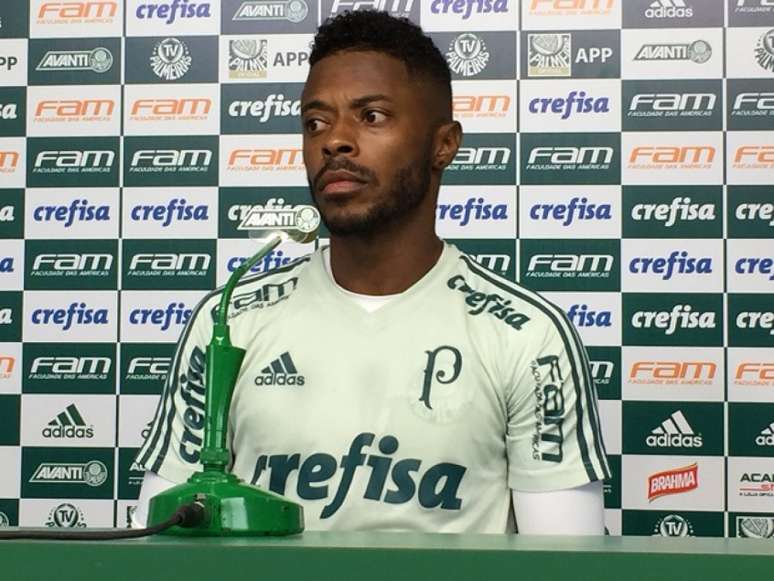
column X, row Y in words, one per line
column 448, row 138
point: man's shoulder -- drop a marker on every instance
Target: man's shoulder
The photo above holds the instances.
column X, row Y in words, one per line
column 517, row 307
column 262, row 290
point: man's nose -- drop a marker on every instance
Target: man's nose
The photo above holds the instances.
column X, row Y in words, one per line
column 341, row 140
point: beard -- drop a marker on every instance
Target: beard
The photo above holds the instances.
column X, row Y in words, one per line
column 405, row 192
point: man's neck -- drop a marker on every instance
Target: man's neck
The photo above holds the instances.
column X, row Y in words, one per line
column 383, row 264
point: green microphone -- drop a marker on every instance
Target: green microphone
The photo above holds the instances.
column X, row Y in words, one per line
column 228, row 505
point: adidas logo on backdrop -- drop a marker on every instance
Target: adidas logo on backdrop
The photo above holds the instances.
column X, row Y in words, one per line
column 675, row 431
column 669, row 9
column 68, row 424
column 281, row 371
column 766, row 437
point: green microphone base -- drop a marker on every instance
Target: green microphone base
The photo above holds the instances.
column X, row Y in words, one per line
column 232, row 508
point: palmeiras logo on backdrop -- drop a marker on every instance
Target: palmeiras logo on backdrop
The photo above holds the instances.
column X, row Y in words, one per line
column 764, row 50
column 74, row 61
column 174, row 59
column 579, row 54
column 248, row 58
column 478, row 55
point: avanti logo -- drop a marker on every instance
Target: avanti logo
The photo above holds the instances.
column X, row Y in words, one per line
column 581, row 316
column 566, row 214
column 294, row 11
column 698, row 52
column 77, row 313
column 674, row 432
column 678, row 262
column 79, row 210
column 168, row 12
column 473, row 208
column 98, row 60
column 93, row 473
column 436, row 487
column 68, row 424
column 575, row 103
column 175, row 210
column 175, row 313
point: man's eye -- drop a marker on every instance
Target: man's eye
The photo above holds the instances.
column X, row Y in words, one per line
column 374, row 116
column 313, row 125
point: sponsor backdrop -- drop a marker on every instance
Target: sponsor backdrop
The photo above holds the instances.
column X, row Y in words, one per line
column 619, row 157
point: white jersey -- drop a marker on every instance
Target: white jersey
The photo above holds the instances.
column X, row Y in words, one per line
column 418, row 416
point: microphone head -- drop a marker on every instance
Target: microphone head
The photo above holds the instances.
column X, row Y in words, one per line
column 299, row 223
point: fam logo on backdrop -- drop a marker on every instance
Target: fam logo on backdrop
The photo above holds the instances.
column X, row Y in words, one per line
column 686, row 158
column 12, row 161
column 168, row 264
column 71, row 265
column 686, row 105
column 171, row 109
column 52, row 18
column 68, row 112
column 587, row 14
column 172, row 59
column 750, row 104
column 84, row 368
column 72, row 162
column 484, row 158
column 144, row 367
column 486, row 106
column 570, row 265
column 578, row 158
column 579, row 54
column 275, row 159
column 750, row 157
column 168, row 161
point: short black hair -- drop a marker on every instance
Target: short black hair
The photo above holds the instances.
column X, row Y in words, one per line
column 363, row 30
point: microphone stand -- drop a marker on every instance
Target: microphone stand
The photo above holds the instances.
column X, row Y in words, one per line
column 231, row 506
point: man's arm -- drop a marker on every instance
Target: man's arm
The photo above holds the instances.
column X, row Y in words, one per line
column 152, row 484
column 574, row 511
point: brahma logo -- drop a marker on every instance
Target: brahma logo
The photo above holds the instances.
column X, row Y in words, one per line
column 669, row 157
column 581, row 316
column 754, row 157
column 576, row 102
column 79, row 13
column 754, row 374
column 266, row 159
column 570, row 7
column 679, row 318
column 184, row 109
column 175, row 313
column 76, row 314
column 169, row 12
column 673, row 372
column 675, row 481
column 79, row 210
column 294, row 11
column 678, row 262
column 74, row 110
column 176, row 210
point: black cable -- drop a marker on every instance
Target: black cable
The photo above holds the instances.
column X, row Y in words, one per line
column 188, row 515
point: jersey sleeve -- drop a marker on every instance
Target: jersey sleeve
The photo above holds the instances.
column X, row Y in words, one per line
column 174, row 442
column 553, row 434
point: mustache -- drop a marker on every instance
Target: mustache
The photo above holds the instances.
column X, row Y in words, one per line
column 342, row 163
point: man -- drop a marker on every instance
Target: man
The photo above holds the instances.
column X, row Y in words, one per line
column 390, row 382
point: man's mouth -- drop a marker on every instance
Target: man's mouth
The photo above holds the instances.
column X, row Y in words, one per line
column 340, row 182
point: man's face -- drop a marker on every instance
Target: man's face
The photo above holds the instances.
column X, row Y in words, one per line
column 367, row 141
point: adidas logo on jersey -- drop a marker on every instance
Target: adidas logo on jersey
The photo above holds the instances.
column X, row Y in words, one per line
column 766, row 437
column 281, row 371
column 675, row 431
column 68, row 424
